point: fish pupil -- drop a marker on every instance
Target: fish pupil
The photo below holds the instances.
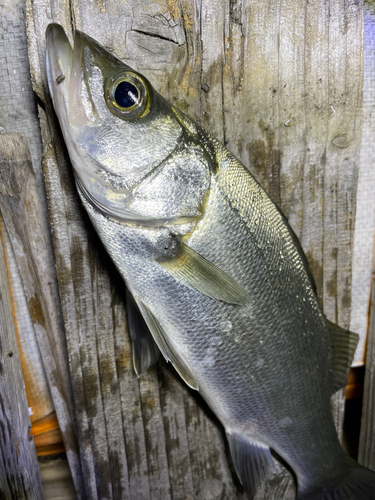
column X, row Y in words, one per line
column 126, row 95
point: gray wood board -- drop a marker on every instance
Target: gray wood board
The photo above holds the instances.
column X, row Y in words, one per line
column 366, row 452
column 364, row 234
column 38, row 394
column 29, row 234
column 18, row 107
column 281, row 85
column 19, row 471
column 57, row 480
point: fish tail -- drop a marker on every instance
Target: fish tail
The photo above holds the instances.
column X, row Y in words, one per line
column 358, row 483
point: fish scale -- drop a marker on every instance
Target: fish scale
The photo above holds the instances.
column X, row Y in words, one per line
column 214, row 269
column 224, row 391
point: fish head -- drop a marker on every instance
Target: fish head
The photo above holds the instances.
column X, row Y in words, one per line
column 117, row 128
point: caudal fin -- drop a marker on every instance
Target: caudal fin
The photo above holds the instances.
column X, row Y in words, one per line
column 357, row 484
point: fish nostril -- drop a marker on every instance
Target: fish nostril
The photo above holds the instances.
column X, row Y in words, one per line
column 60, row 79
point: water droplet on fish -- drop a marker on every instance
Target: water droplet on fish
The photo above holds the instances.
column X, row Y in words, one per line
column 216, row 341
column 238, row 337
column 247, row 312
column 209, row 361
column 285, row 422
column 226, row 326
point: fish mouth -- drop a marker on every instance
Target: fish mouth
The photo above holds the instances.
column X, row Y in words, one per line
column 59, row 60
column 64, row 75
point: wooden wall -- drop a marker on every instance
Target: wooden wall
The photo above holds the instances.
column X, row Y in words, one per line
column 281, row 84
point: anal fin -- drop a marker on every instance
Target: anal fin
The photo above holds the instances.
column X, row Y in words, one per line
column 165, row 347
column 343, row 344
column 253, row 461
column 144, row 350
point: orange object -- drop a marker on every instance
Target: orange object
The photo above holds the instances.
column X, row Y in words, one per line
column 45, row 424
column 45, row 427
column 354, row 388
column 47, row 435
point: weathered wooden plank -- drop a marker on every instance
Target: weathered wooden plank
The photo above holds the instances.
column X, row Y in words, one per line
column 19, row 472
column 130, row 400
column 209, row 464
column 158, row 473
column 18, row 107
column 18, row 115
column 366, row 451
column 37, row 388
column 365, row 218
column 56, row 479
column 172, row 393
column 45, row 428
column 59, row 219
column 270, row 79
column 26, row 224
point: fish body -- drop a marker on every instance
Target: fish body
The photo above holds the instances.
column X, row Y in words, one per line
column 213, row 269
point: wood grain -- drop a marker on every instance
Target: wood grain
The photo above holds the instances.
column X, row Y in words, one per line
column 29, row 233
column 36, row 383
column 366, row 452
column 19, row 472
column 56, row 480
column 280, row 83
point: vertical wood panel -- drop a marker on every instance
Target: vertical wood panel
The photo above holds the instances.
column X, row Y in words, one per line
column 280, row 83
column 19, row 472
column 365, row 243
column 28, row 232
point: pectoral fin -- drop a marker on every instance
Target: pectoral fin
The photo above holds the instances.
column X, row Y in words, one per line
column 193, row 269
column 165, row 347
column 343, row 343
column 144, row 350
column 253, row 461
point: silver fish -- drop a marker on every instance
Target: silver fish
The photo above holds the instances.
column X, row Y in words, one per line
column 214, row 268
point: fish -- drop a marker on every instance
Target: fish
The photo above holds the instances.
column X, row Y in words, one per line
column 217, row 280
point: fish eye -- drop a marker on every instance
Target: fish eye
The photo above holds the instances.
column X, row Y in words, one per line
column 128, row 96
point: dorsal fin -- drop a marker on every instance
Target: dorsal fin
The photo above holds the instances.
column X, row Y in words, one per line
column 165, row 347
column 191, row 268
column 343, row 344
